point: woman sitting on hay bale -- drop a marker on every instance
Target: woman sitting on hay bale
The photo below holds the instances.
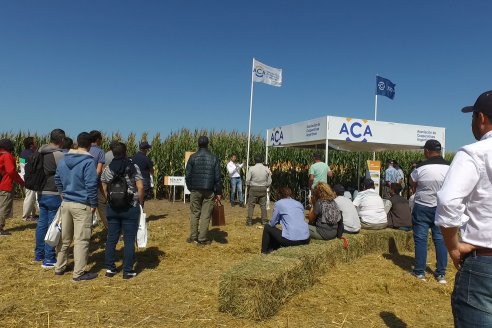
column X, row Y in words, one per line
column 325, row 218
column 290, row 214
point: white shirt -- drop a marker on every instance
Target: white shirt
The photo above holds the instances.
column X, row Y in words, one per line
column 370, row 207
column 429, row 176
column 233, row 169
column 351, row 220
column 466, row 196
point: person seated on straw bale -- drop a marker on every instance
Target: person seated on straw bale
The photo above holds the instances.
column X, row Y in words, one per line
column 370, row 207
column 351, row 222
column 290, row 214
column 399, row 215
column 325, row 218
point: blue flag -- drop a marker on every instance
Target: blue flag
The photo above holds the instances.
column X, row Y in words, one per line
column 385, row 87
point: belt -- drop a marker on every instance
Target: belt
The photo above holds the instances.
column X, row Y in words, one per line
column 480, row 252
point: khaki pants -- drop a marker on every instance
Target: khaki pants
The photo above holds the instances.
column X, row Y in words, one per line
column 29, row 206
column 101, row 207
column 6, row 201
column 201, row 206
column 373, row 226
column 76, row 225
column 257, row 195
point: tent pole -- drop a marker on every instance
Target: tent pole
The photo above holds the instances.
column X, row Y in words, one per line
column 249, row 126
column 266, row 163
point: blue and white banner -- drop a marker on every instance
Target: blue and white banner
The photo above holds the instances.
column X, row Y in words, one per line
column 266, row 74
column 385, row 87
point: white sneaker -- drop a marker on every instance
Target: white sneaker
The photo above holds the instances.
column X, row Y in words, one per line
column 441, row 279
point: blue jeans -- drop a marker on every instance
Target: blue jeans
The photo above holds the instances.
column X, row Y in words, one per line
column 48, row 206
column 126, row 222
column 472, row 295
column 236, row 184
column 423, row 220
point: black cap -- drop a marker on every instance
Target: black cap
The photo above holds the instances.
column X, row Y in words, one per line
column 338, row 189
column 203, row 141
column 144, row 145
column 483, row 104
column 432, row 145
column 317, row 155
column 368, row 183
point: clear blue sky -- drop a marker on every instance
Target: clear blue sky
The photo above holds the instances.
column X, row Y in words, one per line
column 158, row 66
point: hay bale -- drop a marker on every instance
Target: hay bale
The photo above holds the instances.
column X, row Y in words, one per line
column 255, row 288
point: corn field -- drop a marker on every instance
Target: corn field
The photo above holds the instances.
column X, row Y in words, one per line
column 289, row 166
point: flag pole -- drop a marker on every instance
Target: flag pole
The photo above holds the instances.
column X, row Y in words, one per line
column 375, row 116
column 249, row 128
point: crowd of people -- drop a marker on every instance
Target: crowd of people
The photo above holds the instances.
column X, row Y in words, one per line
column 80, row 182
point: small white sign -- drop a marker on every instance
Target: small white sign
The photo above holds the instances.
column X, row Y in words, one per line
column 174, row 181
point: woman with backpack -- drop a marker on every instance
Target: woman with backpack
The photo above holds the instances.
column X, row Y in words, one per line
column 289, row 213
column 123, row 184
column 325, row 218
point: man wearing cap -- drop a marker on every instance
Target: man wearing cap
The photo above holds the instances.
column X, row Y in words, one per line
column 370, row 207
column 464, row 204
column 318, row 172
column 146, row 166
column 427, row 179
column 204, row 180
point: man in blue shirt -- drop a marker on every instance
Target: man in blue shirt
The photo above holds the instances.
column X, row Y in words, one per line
column 146, row 167
column 99, row 159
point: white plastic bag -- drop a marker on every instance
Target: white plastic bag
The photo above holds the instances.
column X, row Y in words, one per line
column 53, row 234
column 142, row 230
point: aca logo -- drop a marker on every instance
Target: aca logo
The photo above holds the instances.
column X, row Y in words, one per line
column 356, row 130
column 259, row 71
column 277, row 137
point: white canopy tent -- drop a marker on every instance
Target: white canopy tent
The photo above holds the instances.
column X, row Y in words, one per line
column 344, row 133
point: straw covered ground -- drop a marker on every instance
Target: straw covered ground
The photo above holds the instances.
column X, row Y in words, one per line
column 178, row 284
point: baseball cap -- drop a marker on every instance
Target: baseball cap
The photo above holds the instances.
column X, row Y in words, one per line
column 483, row 104
column 432, row 145
column 368, row 183
column 338, row 189
column 144, row 145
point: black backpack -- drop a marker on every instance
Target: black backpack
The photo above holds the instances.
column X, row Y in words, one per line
column 34, row 176
column 118, row 195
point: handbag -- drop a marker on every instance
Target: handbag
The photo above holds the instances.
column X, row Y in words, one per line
column 142, row 230
column 53, row 234
column 218, row 216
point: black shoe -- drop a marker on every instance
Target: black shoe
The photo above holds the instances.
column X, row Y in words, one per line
column 204, row 242
column 129, row 275
column 242, row 205
column 4, row 233
column 233, row 204
column 111, row 273
column 60, row 273
column 249, row 223
column 86, row 276
column 190, row 241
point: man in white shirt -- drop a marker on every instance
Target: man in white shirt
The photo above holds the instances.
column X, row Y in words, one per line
column 234, row 171
column 427, row 179
column 464, row 203
column 370, row 207
column 351, row 222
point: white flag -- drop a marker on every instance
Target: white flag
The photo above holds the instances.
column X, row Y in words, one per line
column 266, row 74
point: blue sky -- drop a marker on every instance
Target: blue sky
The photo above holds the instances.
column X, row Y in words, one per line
column 159, row 66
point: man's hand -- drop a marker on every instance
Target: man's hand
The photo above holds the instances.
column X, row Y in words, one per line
column 93, row 210
column 459, row 253
column 218, row 198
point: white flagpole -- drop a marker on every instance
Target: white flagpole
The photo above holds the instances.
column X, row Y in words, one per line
column 249, row 129
column 375, row 118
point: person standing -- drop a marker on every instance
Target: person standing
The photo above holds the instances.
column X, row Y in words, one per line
column 463, row 204
column 8, row 175
column 146, row 167
column 204, row 180
column 318, row 172
column 391, row 175
column 123, row 220
column 99, row 159
column 49, row 198
column 29, row 205
column 258, row 179
column 108, row 156
column 234, row 171
column 427, row 179
column 76, row 180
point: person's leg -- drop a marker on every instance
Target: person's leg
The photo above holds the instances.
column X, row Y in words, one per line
column 195, row 210
column 52, row 203
column 420, row 235
column 28, row 207
column 41, row 228
column 101, row 207
column 441, row 250
column 271, row 239
column 6, row 201
column 130, row 227
column 239, row 188
column 251, row 206
column 66, row 238
column 233, row 190
column 313, row 233
column 262, row 198
column 206, row 212
column 114, row 230
column 471, row 300
column 82, row 221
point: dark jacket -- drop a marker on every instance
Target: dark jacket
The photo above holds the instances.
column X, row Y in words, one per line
column 203, row 172
column 399, row 214
column 52, row 156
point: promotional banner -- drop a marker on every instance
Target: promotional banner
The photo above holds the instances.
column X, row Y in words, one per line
column 374, row 172
column 266, row 74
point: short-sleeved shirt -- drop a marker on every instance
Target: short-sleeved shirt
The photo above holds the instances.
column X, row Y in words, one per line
column 351, row 220
column 391, row 175
column 145, row 165
column 370, row 207
column 98, row 154
column 429, row 176
column 320, row 172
